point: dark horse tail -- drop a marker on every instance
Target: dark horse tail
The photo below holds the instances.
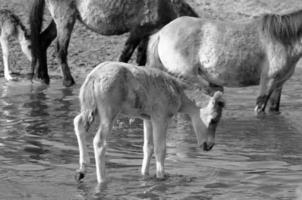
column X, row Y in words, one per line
column 36, row 21
column 182, row 8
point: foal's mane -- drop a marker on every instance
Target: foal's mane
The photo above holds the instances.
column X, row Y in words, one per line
column 285, row 28
column 156, row 77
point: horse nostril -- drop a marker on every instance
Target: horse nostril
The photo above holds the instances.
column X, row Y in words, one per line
column 207, row 147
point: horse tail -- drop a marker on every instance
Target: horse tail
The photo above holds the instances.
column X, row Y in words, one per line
column 36, row 21
column 152, row 51
column 182, row 8
column 88, row 101
column 153, row 60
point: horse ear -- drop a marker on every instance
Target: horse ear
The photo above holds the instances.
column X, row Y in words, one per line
column 218, row 99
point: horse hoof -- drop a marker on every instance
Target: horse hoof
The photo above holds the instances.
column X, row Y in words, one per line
column 79, row 176
column 41, row 80
column 274, row 111
column 11, row 78
column 259, row 113
column 162, row 178
column 14, row 79
column 68, row 82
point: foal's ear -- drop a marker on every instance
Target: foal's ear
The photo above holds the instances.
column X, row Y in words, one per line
column 218, row 99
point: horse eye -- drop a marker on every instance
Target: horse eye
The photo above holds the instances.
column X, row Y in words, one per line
column 199, row 71
column 29, row 46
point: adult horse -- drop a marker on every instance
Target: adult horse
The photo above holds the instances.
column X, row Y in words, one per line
column 263, row 51
column 107, row 17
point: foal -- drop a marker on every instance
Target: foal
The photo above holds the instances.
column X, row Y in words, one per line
column 11, row 26
column 114, row 88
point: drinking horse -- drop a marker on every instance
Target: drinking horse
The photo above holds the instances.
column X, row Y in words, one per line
column 114, row 88
column 107, row 17
column 263, row 51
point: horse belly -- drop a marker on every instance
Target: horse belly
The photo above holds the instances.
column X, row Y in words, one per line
column 110, row 17
column 231, row 58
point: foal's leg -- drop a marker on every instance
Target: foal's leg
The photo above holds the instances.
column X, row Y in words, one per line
column 5, row 52
column 148, row 147
column 80, row 132
column 159, row 138
column 99, row 145
column 64, row 29
column 274, row 100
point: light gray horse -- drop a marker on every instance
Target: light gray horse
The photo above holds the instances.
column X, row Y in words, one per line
column 114, row 88
column 263, row 51
column 12, row 27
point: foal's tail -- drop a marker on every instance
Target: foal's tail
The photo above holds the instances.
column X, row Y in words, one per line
column 88, row 101
column 36, row 21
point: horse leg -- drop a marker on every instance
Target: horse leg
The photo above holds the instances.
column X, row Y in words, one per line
column 148, row 147
column 274, row 100
column 141, row 56
column 129, row 47
column 48, row 35
column 266, row 89
column 81, row 132
column 137, row 35
column 64, row 29
column 39, row 62
column 269, row 86
column 159, row 139
column 5, row 53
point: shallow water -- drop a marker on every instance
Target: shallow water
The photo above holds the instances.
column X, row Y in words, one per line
column 254, row 158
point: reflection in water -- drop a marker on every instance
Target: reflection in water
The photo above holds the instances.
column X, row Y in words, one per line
column 254, row 158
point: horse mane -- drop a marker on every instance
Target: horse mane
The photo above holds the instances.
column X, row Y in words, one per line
column 284, row 28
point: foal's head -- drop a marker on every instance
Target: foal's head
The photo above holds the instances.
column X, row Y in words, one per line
column 210, row 116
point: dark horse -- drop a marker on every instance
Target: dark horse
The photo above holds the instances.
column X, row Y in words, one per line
column 107, row 17
column 261, row 52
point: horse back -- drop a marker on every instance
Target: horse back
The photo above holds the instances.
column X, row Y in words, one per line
column 134, row 90
column 110, row 17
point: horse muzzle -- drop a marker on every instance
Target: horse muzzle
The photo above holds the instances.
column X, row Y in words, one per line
column 207, row 146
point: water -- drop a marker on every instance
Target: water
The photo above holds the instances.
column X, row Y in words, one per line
column 254, row 158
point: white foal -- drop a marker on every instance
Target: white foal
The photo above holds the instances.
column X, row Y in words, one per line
column 114, row 88
column 11, row 26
